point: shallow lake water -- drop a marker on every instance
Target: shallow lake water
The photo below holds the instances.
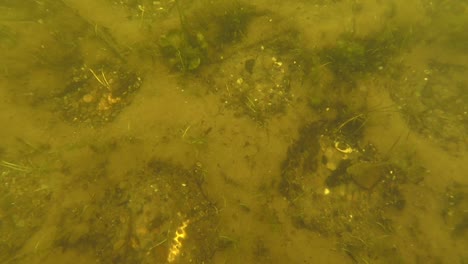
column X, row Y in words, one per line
column 215, row 131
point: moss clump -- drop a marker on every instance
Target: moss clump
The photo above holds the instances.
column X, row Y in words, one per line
column 354, row 57
column 183, row 51
column 232, row 22
column 206, row 31
column 184, row 48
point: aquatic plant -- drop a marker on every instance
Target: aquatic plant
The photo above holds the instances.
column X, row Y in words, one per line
column 352, row 56
column 184, row 48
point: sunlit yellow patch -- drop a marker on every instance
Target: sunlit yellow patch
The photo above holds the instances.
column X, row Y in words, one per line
column 176, row 245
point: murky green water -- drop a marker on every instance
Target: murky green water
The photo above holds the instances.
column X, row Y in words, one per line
column 320, row 131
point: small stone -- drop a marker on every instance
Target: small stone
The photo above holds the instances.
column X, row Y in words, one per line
column 366, row 175
column 88, row 98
